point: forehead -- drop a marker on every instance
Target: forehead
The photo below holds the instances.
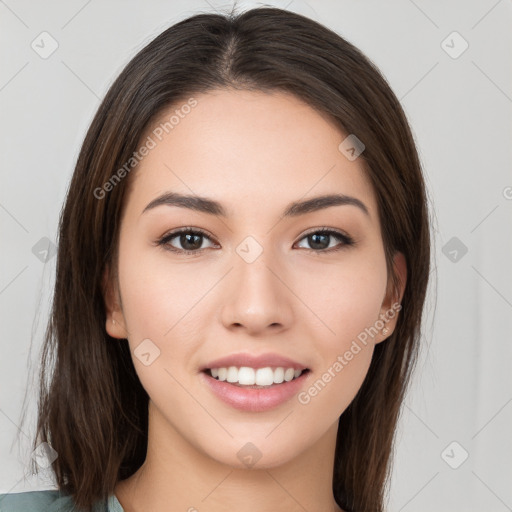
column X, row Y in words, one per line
column 247, row 148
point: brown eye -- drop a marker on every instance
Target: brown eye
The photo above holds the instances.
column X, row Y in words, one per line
column 189, row 241
column 321, row 240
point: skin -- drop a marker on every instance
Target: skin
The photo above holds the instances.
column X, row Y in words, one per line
column 255, row 153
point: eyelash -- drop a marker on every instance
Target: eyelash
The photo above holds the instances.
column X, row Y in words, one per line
column 346, row 240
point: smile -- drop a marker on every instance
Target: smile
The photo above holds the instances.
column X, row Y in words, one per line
column 255, row 397
column 255, row 377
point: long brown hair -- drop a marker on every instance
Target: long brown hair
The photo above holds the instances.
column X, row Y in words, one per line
column 92, row 407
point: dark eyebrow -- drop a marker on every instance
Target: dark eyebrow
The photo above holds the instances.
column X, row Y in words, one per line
column 205, row 205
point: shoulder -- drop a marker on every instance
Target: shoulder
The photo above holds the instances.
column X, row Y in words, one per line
column 51, row 501
column 36, row 501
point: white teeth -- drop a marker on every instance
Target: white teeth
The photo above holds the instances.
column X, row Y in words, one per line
column 232, row 375
column 278, row 375
column 264, row 377
column 288, row 374
column 247, row 376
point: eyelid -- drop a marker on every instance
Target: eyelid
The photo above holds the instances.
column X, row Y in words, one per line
column 164, row 239
column 186, row 229
column 323, row 229
column 344, row 238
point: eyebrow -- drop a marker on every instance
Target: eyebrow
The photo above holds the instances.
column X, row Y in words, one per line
column 294, row 209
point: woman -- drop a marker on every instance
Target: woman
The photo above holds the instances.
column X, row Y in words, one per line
column 243, row 261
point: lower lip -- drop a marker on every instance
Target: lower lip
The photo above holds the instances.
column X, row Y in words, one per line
column 255, row 400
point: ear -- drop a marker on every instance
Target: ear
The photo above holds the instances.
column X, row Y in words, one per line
column 392, row 302
column 115, row 322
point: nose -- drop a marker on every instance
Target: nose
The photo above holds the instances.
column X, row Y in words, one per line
column 257, row 299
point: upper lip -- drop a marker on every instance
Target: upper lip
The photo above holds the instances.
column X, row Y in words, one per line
column 254, row 361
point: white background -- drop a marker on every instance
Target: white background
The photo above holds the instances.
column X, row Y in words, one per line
column 460, row 112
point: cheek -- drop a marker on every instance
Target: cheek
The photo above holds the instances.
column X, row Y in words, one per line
column 162, row 302
column 159, row 298
column 345, row 297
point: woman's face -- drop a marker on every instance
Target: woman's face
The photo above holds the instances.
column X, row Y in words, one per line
column 262, row 279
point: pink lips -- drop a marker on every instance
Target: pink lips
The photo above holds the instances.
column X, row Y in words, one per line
column 254, row 399
column 261, row 361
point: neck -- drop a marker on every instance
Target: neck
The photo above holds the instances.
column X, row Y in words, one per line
column 178, row 476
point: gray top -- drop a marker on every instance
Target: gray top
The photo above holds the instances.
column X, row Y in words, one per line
column 50, row 501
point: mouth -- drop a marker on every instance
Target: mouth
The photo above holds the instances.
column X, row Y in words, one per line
column 255, row 389
column 255, row 378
